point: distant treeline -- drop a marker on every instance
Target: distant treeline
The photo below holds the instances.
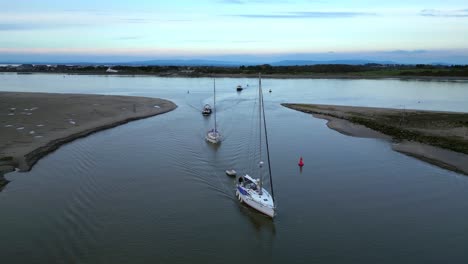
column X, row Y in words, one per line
column 321, row 69
column 367, row 70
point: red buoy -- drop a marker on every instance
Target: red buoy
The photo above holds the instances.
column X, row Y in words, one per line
column 301, row 163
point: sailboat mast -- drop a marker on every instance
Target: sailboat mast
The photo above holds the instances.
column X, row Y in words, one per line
column 267, row 148
column 214, row 103
column 260, row 114
column 260, row 130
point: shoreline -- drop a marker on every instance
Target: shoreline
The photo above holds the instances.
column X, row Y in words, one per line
column 342, row 122
column 264, row 76
column 80, row 115
column 351, row 129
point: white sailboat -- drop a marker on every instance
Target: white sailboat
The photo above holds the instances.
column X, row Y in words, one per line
column 250, row 190
column 213, row 136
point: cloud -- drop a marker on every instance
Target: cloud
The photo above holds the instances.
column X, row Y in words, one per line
column 34, row 26
column 333, row 14
column 200, row 40
column 247, row 41
column 8, row 27
column 308, row 15
column 136, row 20
column 129, row 38
column 148, row 21
column 85, row 10
column 72, row 19
column 444, row 13
column 243, row 2
column 221, row 41
column 406, row 52
column 239, row 2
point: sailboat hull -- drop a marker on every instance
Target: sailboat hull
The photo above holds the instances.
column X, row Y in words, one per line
column 213, row 137
column 244, row 197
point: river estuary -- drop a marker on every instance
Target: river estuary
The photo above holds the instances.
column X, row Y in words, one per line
column 154, row 191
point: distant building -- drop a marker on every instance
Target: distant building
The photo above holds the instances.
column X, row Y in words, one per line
column 110, row 70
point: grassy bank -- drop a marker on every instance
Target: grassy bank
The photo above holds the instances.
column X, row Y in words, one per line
column 441, row 129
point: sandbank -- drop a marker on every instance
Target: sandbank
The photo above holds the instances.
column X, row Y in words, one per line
column 34, row 124
column 440, row 138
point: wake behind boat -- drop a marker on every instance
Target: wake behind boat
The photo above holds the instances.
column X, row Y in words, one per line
column 249, row 190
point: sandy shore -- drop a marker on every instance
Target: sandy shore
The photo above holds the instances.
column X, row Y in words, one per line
column 427, row 135
column 447, row 159
column 351, row 129
column 34, row 124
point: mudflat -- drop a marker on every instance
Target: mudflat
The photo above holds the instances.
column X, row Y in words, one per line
column 34, row 124
column 440, row 138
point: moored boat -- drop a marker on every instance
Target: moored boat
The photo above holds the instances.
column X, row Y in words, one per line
column 213, row 136
column 206, row 110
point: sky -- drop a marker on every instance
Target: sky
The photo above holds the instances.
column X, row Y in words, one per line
column 404, row 31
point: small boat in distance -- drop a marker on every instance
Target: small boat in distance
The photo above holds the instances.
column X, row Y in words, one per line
column 213, row 136
column 239, row 88
column 231, row 173
column 206, row 110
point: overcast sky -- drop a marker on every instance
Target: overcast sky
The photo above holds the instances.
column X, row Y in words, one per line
column 403, row 31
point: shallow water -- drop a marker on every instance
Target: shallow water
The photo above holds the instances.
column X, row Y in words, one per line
column 154, row 191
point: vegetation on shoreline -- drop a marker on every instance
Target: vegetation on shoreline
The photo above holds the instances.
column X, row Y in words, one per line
column 3, row 182
column 312, row 71
column 440, row 129
column 5, row 166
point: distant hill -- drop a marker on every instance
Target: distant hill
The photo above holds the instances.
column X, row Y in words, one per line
column 308, row 62
column 440, row 64
column 142, row 63
column 201, row 62
column 184, row 63
column 236, row 63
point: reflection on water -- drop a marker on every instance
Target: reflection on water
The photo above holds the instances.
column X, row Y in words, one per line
column 154, row 191
column 259, row 221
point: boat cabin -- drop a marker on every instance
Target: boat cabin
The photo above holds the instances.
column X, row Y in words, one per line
column 248, row 182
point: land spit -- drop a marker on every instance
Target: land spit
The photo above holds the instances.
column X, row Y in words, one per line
column 440, row 138
column 34, row 124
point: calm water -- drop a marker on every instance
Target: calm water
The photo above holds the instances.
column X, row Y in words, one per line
column 153, row 191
